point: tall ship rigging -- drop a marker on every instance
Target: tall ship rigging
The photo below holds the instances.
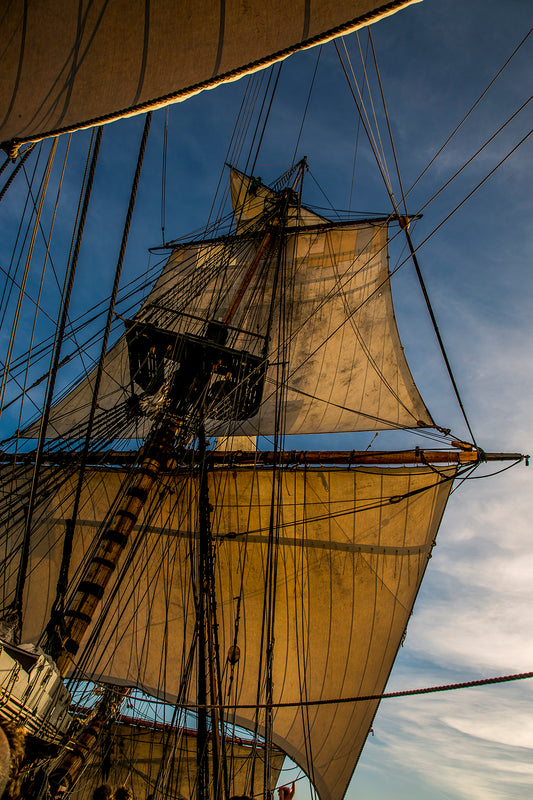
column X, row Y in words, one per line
column 244, row 597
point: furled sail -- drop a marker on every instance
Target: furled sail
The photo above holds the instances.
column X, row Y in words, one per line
column 80, row 64
column 326, row 328
column 134, row 753
column 350, row 545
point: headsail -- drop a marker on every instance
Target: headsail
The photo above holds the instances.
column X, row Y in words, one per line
column 80, row 66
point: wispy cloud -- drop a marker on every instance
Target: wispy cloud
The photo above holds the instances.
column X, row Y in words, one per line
column 473, row 746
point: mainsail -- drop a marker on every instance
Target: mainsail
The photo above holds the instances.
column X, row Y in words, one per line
column 350, row 545
column 77, row 65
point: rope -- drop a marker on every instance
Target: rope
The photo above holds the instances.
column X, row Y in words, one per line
column 16, row 170
column 366, row 124
column 29, row 256
column 62, row 582
column 388, row 695
column 474, row 190
column 356, row 146
column 306, row 106
column 21, row 578
column 164, row 177
column 391, row 139
column 475, row 155
column 437, row 332
column 481, row 96
column 412, row 249
column 267, row 115
column 48, row 240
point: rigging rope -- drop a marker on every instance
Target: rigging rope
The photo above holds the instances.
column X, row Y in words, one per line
column 475, row 155
column 306, row 106
column 41, row 285
column 252, row 169
column 474, row 190
column 356, row 145
column 62, row 583
column 388, row 695
column 236, row 144
column 29, row 255
column 16, row 170
column 69, row 281
column 391, row 139
column 164, row 177
column 412, row 249
column 437, row 333
column 481, row 96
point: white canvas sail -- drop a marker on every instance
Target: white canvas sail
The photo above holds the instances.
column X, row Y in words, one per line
column 72, row 65
column 135, row 753
column 335, row 333
column 350, row 545
column 249, row 199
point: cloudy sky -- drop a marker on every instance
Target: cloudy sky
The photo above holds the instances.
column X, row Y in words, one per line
column 473, row 617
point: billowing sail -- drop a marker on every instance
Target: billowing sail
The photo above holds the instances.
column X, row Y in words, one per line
column 318, row 314
column 141, row 755
column 346, row 545
column 74, row 65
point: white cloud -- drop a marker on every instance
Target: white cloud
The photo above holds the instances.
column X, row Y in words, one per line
column 471, row 744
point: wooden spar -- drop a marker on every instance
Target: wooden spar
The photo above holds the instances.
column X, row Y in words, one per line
column 360, row 457
column 218, row 758
column 208, row 625
column 287, row 457
column 248, row 277
column 203, row 639
column 316, row 227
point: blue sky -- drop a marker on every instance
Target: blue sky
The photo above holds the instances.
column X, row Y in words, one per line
column 473, row 615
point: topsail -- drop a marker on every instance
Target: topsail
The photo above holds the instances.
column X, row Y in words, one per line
column 340, row 365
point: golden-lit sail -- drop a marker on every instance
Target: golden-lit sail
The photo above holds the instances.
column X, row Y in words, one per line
column 142, row 755
column 351, row 545
column 332, row 327
column 72, row 65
